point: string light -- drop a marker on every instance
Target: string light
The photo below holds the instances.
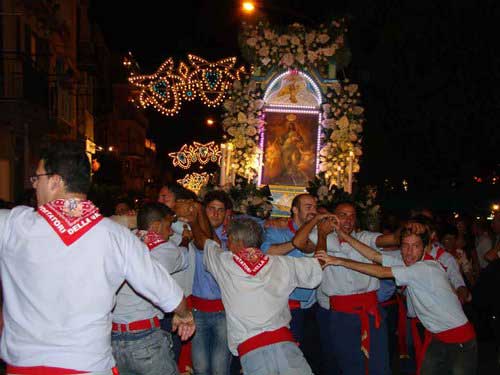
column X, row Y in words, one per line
column 167, row 88
column 197, row 152
column 194, row 181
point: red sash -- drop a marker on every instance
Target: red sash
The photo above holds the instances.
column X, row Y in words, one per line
column 70, row 218
column 44, row 370
column 399, row 300
column 251, row 260
column 265, row 338
column 290, row 226
column 457, row 335
column 150, row 238
column 363, row 304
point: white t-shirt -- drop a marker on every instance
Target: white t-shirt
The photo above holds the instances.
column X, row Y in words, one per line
column 58, row 299
column 340, row 281
column 130, row 306
column 256, row 304
column 430, row 293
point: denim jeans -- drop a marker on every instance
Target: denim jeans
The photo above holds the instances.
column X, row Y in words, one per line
column 146, row 352
column 453, row 359
column 211, row 354
column 281, row 358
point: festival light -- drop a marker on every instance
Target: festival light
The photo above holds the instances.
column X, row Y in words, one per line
column 248, row 7
column 197, row 152
column 194, row 181
column 210, row 122
column 167, row 88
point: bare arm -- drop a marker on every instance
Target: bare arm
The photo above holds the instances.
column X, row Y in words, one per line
column 492, row 254
column 363, row 249
column 366, row 268
column 301, row 240
column 280, row 249
column 194, row 213
column 393, row 239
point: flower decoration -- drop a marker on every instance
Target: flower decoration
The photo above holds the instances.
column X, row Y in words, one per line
column 368, row 208
column 326, row 194
column 247, row 197
column 242, row 122
column 295, row 47
column 342, row 126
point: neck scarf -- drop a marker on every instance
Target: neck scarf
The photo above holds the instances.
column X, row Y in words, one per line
column 70, row 218
column 150, row 238
column 251, row 260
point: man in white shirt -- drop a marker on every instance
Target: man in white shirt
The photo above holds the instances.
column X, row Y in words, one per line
column 61, row 267
column 255, row 289
column 450, row 343
column 136, row 322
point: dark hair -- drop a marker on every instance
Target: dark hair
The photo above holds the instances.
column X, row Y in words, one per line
column 68, row 160
column 348, row 201
column 151, row 212
column 218, row 195
column 425, row 220
column 180, row 192
column 448, row 229
column 424, row 236
column 296, row 201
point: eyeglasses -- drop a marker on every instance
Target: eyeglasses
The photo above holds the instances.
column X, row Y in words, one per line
column 35, row 178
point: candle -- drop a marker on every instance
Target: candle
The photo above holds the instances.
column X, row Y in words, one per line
column 349, row 176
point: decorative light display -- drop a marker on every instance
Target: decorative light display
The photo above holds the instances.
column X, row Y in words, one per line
column 167, row 88
column 194, row 181
column 197, row 152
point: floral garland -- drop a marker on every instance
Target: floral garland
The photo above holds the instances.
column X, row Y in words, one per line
column 342, row 126
column 243, row 121
column 297, row 47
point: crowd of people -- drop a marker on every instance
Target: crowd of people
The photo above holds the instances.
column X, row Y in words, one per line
column 183, row 284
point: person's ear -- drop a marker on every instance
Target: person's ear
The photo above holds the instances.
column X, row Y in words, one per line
column 55, row 182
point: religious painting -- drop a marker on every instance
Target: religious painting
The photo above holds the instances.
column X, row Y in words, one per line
column 292, row 89
column 289, row 148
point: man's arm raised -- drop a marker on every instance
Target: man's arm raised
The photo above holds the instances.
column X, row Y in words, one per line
column 366, row 268
column 301, row 240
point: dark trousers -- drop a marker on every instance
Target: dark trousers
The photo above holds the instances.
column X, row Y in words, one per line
column 166, row 325
column 341, row 344
column 453, row 359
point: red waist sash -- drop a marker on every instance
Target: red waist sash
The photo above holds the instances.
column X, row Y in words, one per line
column 363, row 304
column 45, row 370
column 457, row 335
column 207, row 305
column 399, row 300
column 293, row 304
column 265, row 338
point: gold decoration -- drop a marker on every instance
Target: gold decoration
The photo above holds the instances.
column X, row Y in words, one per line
column 194, row 181
column 197, row 152
column 167, row 88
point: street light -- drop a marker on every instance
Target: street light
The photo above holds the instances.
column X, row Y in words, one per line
column 248, row 7
column 210, row 122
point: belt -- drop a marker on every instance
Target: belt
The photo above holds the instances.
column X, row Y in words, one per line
column 45, row 370
column 293, row 304
column 207, row 305
column 138, row 325
column 363, row 304
column 265, row 338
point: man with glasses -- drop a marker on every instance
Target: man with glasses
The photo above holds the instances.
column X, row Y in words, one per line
column 61, row 267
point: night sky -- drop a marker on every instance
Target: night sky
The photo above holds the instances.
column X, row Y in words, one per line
column 428, row 72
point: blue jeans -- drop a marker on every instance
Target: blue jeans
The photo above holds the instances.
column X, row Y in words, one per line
column 211, row 354
column 454, row 359
column 145, row 352
column 281, row 358
column 341, row 343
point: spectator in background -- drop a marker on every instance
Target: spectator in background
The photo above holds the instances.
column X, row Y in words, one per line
column 482, row 240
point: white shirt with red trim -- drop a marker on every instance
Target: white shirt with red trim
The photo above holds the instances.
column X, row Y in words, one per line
column 340, row 281
column 58, row 299
column 436, row 304
column 451, row 266
column 256, row 299
column 130, row 306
